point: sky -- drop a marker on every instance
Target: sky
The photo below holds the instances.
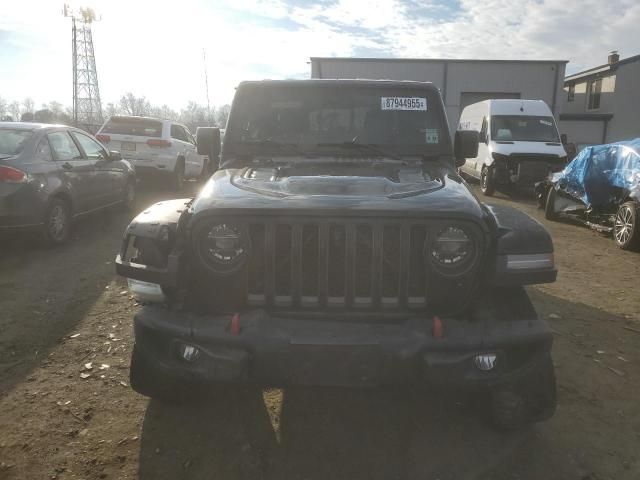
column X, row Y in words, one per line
column 155, row 48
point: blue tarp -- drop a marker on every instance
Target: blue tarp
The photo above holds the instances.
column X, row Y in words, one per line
column 593, row 175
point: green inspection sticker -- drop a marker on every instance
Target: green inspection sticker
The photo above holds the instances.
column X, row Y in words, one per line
column 431, row 135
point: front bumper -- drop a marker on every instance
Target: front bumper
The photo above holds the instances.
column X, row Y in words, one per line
column 277, row 350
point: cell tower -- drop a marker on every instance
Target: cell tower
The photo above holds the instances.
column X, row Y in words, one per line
column 87, row 108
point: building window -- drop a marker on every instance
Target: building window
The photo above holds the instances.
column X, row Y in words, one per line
column 571, row 93
column 594, row 88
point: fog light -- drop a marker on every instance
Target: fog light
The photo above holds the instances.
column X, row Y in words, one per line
column 485, row 362
column 188, row 352
column 145, row 291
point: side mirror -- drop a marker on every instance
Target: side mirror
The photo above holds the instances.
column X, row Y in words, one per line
column 115, row 155
column 465, row 145
column 563, row 138
column 208, row 141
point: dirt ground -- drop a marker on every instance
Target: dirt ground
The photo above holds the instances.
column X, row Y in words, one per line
column 64, row 315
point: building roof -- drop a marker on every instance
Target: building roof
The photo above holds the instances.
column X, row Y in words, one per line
column 600, row 69
column 448, row 60
column 339, row 81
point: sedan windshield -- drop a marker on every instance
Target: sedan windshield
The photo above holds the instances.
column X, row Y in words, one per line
column 325, row 119
column 12, row 141
column 521, row 128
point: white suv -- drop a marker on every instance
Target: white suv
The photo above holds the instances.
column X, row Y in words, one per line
column 154, row 147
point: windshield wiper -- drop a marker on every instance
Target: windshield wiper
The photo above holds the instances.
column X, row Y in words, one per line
column 364, row 148
column 284, row 147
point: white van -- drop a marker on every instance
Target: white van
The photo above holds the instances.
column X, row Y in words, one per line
column 519, row 143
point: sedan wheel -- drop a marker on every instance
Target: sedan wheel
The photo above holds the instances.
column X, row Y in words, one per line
column 57, row 222
column 625, row 227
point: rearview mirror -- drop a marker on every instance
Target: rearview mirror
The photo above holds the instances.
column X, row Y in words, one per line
column 115, row 155
column 208, row 141
column 465, row 146
column 563, row 138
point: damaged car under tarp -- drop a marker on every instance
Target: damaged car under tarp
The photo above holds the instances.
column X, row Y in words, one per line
column 600, row 187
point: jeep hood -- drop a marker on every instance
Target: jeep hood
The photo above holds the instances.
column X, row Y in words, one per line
column 433, row 191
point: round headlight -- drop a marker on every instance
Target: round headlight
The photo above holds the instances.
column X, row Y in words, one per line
column 224, row 247
column 452, row 249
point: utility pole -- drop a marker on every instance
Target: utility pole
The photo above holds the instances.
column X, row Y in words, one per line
column 87, row 107
column 206, row 84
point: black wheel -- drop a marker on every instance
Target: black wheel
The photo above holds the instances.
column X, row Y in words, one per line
column 129, row 196
column 626, row 231
column 531, row 399
column 57, row 222
column 550, row 205
column 487, row 182
column 178, row 176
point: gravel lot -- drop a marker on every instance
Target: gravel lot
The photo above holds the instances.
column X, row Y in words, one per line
column 65, row 315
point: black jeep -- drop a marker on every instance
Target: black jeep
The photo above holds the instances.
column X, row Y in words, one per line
column 337, row 245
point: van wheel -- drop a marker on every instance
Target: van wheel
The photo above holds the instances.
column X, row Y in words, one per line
column 178, row 176
column 487, row 182
column 550, row 205
column 57, row 222
column 626, row 231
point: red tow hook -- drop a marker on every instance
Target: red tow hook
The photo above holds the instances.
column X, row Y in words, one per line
column 234, row 324
column 437, row 327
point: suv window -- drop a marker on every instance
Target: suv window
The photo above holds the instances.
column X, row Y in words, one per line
column 136, row 126
column 43, row 151
column 92, row 149
column 178, row 133
column 63, row 147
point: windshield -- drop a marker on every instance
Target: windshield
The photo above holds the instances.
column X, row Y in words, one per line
column 321, row 118
column 521, row 128
column 12, row 141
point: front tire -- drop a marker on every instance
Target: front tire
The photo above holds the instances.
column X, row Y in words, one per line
column 532, row 399
column 487, row 182
column 626, row 231
column 550, row 205
column 57, row 222
column 147, row 381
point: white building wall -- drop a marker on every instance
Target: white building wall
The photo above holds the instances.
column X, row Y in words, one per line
column 625, row 123
column 519, row 79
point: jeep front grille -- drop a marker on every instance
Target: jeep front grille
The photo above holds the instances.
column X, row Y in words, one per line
column 337, row 264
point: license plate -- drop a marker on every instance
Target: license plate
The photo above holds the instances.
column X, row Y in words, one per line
column 129, row 146
column 403, row 103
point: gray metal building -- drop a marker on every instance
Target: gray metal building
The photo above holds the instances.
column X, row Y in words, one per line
column 602, row 104
column 462, row 82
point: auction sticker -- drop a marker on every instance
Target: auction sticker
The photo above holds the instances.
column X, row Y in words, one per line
column 431, row 135
column 404, row 103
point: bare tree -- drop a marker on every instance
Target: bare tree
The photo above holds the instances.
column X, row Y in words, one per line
column 165, row 112
column 132, row 105
column 222, row 115
column 14, row 109
column 111, row 110
column 29, row 105
column 3, row 107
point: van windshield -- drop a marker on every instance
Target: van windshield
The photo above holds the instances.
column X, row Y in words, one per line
column 328, row 119
column 521, row 128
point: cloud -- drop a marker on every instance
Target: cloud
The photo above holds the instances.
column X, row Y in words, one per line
column 155, row 50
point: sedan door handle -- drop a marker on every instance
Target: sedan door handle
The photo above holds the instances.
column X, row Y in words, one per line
column 67, row 166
